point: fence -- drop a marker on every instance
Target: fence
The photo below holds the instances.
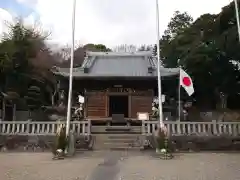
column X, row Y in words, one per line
column 41, row 128
column 190, row 128
column 148, row 127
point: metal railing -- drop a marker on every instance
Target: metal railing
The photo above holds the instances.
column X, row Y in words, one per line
column 42, row 128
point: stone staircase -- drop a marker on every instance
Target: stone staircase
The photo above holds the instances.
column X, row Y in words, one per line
column 117, row 141
column 117, row 137
column 116, row 129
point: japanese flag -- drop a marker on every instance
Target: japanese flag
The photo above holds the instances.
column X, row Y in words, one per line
column 186, row 82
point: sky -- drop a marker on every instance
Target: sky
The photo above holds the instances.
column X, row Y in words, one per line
column 109, row 22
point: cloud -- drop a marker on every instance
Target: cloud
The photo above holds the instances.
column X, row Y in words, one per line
column 5, row 18
column 29, row 3
column 113, row 22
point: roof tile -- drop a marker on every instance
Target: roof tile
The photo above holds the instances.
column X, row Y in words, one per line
column 112, row 64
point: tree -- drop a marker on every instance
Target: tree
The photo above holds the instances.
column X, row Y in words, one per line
column 145, row 48
column 169, row 42
column 214, row 74
column 79, row 54
column 227, row 26
column 20, row 65
column 155, row 50
column 178, row 23
column 206, row 52
column 102, row 48
column 213, row 52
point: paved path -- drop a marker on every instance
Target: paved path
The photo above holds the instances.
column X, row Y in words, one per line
column 119, row 166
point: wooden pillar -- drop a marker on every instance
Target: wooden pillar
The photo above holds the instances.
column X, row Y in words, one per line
column 3, row 109
column 85, row 105
column 129, row 105
column 14, row 111
column 106, row 105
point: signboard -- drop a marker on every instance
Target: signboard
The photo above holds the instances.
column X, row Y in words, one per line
column 121, row 90
column 114, row 89
column 163, row 98
column 155, row 99
column 142, row 116
column 80, row 99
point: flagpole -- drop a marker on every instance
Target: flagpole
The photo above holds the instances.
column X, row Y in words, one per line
column 158, row 72
column 71, row 71
column 179, row 91
column 179, row 97
column 237, row 17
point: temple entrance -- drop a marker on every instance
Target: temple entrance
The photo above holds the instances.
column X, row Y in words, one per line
column 118, row 105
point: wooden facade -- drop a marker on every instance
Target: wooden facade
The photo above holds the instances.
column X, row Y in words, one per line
column 98, row 105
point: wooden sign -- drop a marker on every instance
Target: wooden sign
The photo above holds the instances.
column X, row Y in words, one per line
column 138, row 92
column 115, row 89
column 143, row 116
column 120, row 90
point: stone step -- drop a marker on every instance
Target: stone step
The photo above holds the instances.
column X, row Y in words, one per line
column 125, row 148
column 116, row 136
column 116, row 146
column 116, row 141
column 120, row 140
column 115, row 129
column 124, row 136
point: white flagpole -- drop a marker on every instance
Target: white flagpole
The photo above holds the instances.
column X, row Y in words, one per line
column 237, row 17
column 179, row 91
column 179, row 97
column 71, row 71
column 158, row 72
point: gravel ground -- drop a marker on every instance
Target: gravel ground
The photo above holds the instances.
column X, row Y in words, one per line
column 200, row 166
column 40, row 166
column 105, row 165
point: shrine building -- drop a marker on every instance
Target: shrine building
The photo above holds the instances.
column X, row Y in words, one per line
column 115, row 83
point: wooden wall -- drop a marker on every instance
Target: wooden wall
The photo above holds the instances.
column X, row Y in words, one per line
column 96, row 105
column 140, row 103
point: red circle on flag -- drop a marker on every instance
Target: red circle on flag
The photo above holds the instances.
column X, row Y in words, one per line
column 186, row 81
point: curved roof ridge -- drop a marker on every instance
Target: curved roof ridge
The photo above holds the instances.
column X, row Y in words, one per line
column 152, row 62
column 88, row 62
column 139, row 53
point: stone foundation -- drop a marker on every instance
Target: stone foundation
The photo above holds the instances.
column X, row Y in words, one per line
column 38, row 143
column 177, row 143
column 199, row 143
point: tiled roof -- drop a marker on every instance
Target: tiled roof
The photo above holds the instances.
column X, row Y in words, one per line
column 111, row 64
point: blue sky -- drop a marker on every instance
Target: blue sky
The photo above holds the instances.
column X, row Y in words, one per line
column 15, row 7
